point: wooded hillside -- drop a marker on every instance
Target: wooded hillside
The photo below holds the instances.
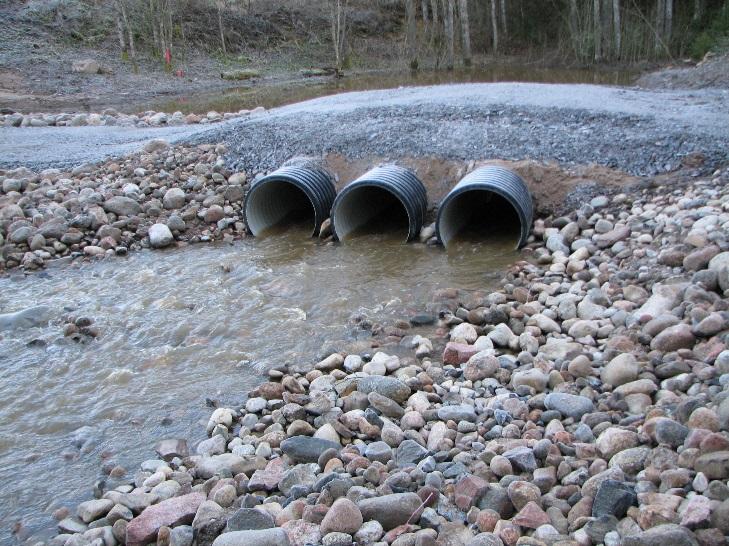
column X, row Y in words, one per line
column 440, row 33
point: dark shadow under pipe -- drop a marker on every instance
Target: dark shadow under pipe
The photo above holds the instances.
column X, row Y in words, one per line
column 289, row 194
column 377, row 193
column 490, row 199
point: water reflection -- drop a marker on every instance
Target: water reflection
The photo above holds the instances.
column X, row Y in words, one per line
column 271, row 95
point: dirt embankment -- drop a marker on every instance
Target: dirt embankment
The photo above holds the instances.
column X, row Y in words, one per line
column 553, row 187
column 712, row 71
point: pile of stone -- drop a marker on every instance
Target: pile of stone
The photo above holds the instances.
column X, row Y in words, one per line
column 162, row 196
column 584, row 403
column 111, row 117
column 80, row 329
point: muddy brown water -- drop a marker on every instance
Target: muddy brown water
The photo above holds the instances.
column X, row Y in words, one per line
column 275, row 94
column 177, row 329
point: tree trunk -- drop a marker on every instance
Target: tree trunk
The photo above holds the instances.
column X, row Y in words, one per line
column 617, row 31
column 668, row 25
column 132, row 49
column 574, row 28
column 597, row 30
column 412, row 34
column 153, row 24
column 163, row 41
column 339, row 29
column 450, row 41
column 335, row 6
column 222, row 29
column 120, row 33
column 504, row 26
column 434, row 5
column 698, row 10
column 424, row 8
column 465, row 32
column 494, row 27
column 128, row 27
column 606, row 30
column 660, row 24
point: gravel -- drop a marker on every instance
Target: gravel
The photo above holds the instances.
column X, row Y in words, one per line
column 643, row 132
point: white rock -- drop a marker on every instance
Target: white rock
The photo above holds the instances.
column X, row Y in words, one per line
column 160, row 236
column 464, row 332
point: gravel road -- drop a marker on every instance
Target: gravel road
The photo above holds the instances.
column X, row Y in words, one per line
column 640, row 131
column 44, row 147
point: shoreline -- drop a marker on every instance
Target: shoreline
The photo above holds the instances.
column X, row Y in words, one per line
column 592, row 379
column 174, row 195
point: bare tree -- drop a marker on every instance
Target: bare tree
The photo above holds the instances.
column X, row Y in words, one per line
column 494, row 27
column 424, row 9
column 220, row 4
column 574, row 27
column 660, row 25
column 434, row 6
column 465, row 31
column 504, row 26
column 597, row 29
column 606, row 30
column 617, row 31
column 668, row 22
column 338, row 10
column 449, row 31
column 412, row 34
column 120, row 32
column 698, row 10
column 124, row 28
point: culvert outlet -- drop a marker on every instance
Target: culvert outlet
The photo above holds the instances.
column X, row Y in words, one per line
column 377, row 194
column 291, row 193
column 489, row 199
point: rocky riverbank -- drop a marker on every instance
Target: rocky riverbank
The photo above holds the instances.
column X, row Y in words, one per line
column 582, row 403
column 177, row 195
column 111, row 118
column 151, row 199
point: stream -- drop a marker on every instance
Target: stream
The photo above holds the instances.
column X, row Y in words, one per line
column 180, row 327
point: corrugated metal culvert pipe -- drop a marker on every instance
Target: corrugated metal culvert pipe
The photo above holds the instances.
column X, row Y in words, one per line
column 376, row 198
column 292, row 193
column 489, row 199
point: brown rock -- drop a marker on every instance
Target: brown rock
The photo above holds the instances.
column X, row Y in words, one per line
column 487, row 520
column 175, row 511
column 531, row 516
column 700, row 258
column 391, row 510
column 268, row 478
column 469, row 490
column 674, row 338
column 271, row 391
column 458, row 353
column 171, row 448
column 715, row 466
column 342, row 517
column 301, row 533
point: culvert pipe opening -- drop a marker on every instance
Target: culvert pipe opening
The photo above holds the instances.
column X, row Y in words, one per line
column 387, row 198
column 289, row 195
column 491, row 202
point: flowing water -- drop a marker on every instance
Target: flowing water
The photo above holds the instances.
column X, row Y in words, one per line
column 178, row 327
column 273, row 94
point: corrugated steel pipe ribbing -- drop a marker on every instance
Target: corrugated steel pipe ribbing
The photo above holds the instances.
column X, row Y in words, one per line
column 289, row 190
column 485, row 194
column 364, row 199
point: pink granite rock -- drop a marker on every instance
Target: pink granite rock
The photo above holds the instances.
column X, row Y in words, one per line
column 458, row 353
column 175, row 511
